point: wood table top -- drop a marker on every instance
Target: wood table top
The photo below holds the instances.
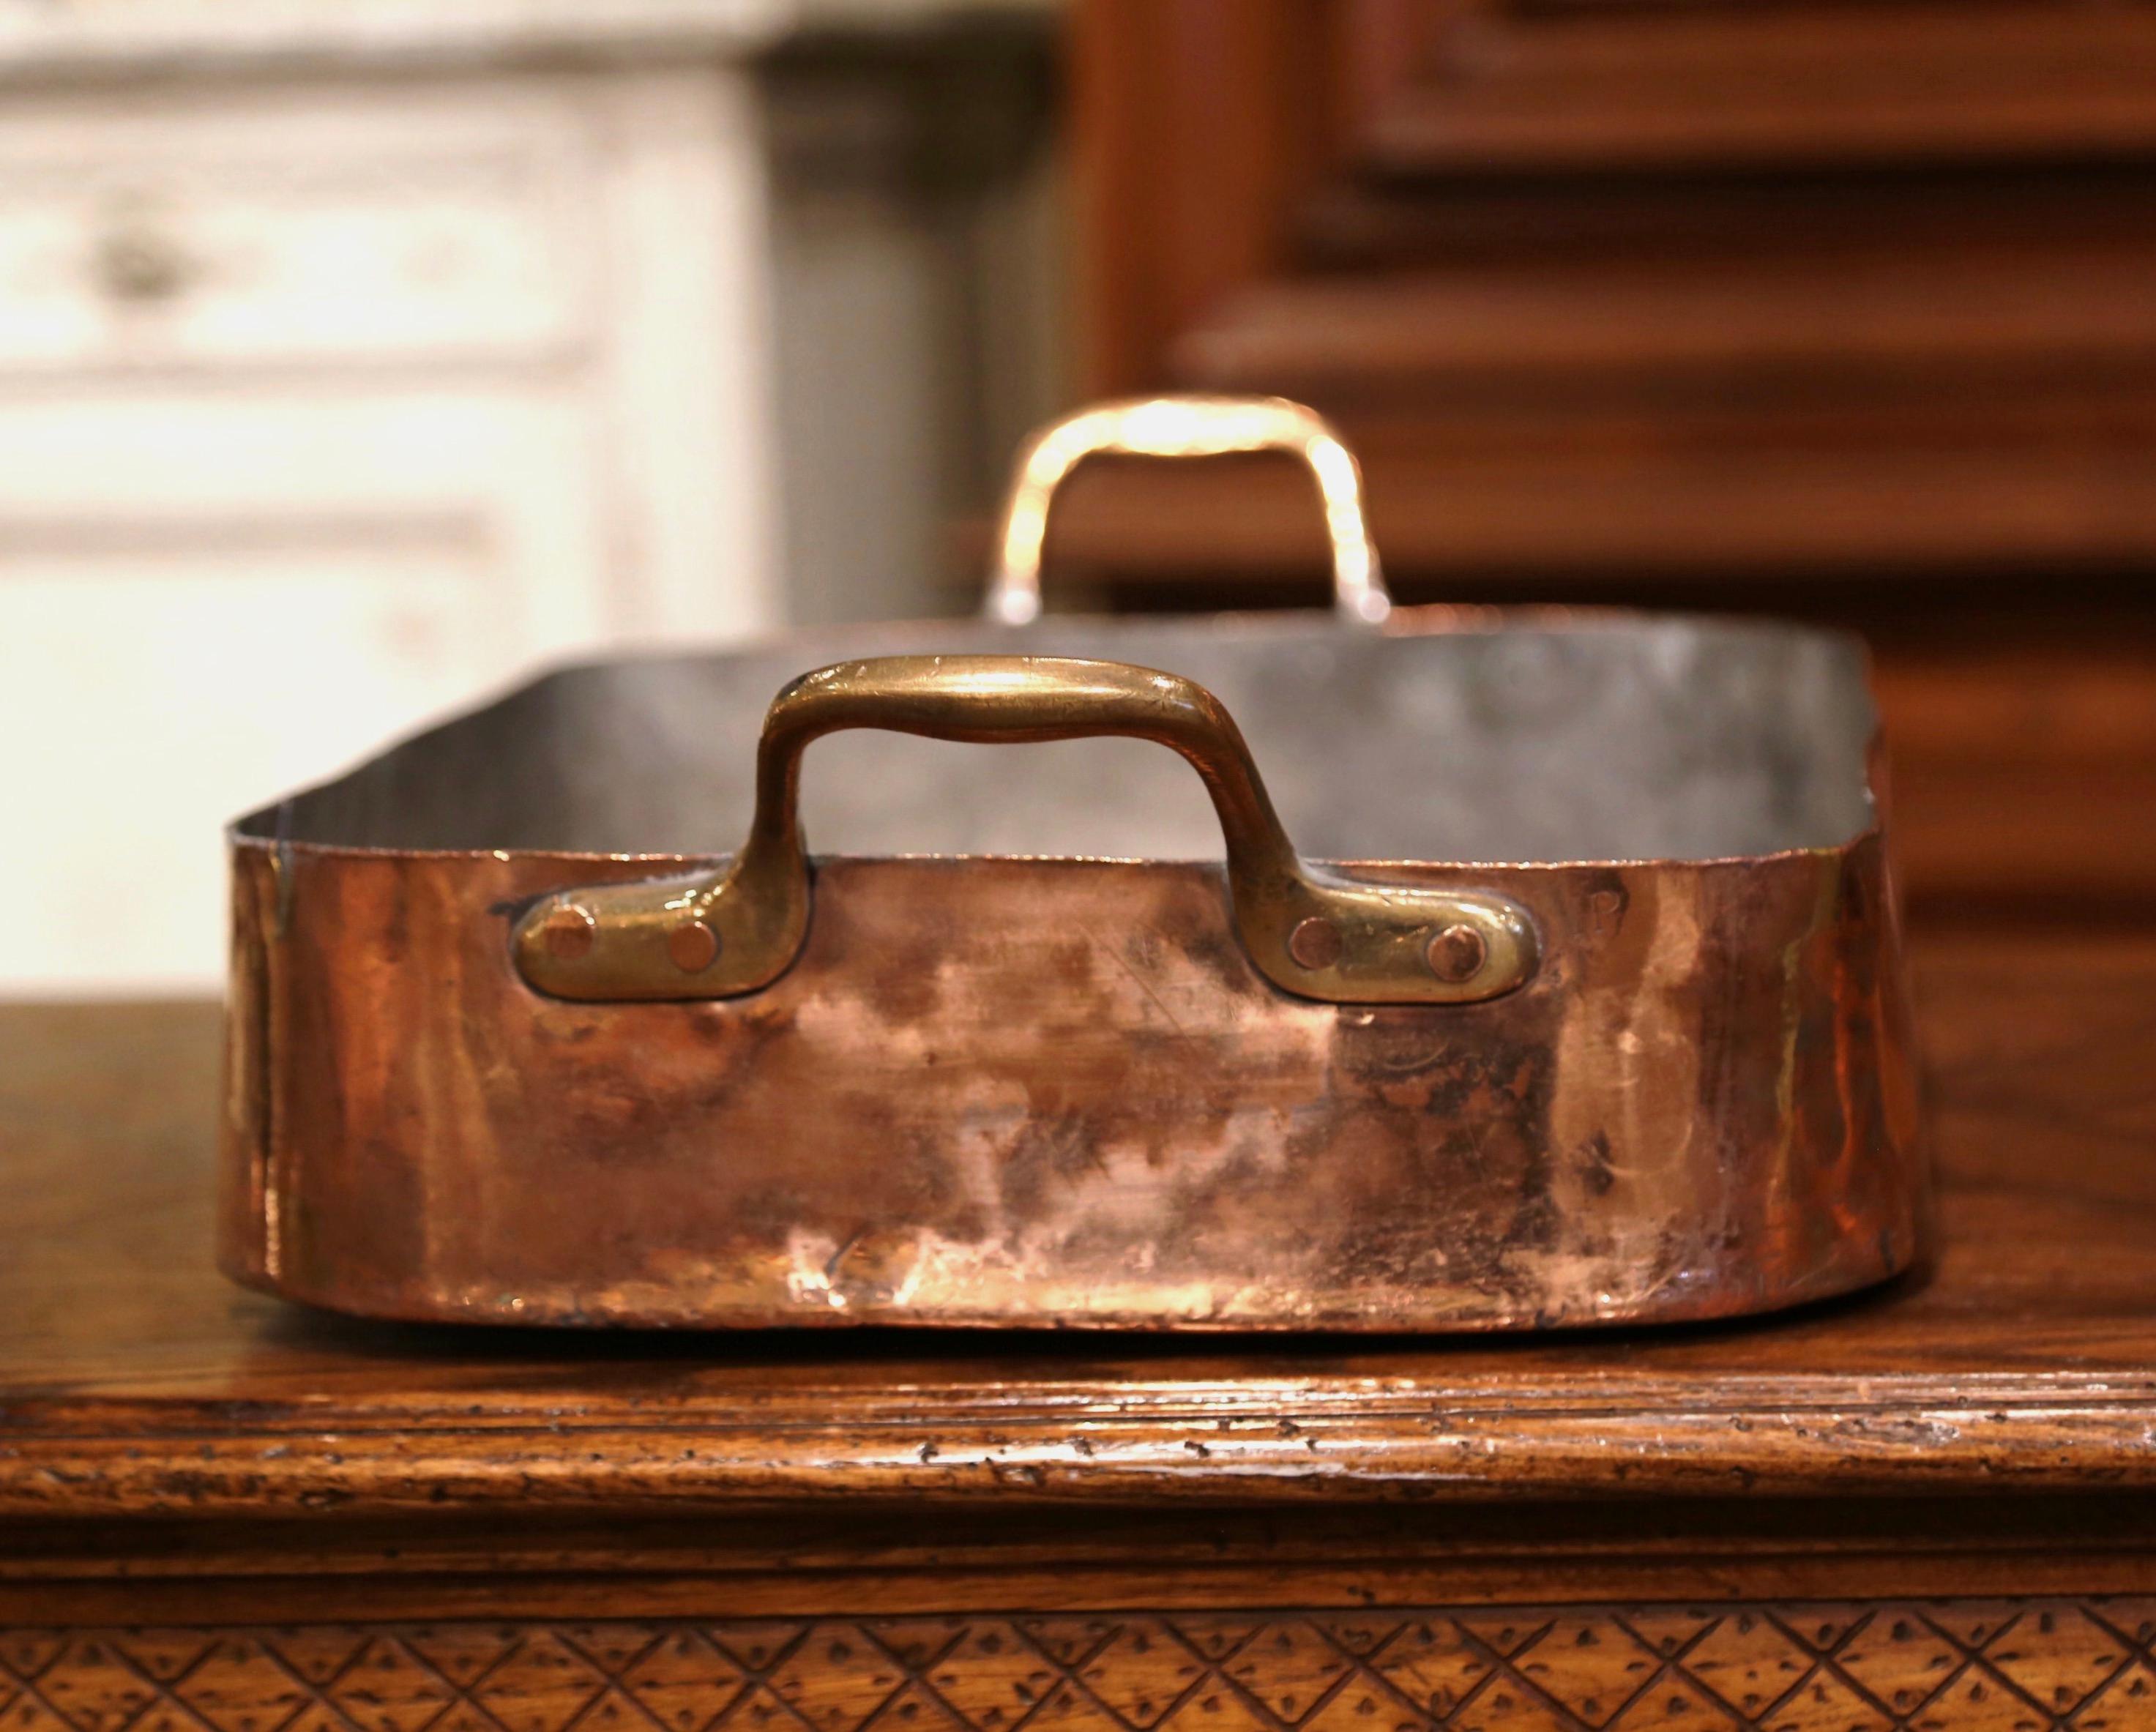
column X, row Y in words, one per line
column 134, row 1379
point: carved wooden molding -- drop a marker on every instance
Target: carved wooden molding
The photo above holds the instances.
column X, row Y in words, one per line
column 1989, row 1666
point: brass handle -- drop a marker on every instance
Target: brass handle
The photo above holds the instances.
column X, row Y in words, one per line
column 1185, row 427
column 738, row 929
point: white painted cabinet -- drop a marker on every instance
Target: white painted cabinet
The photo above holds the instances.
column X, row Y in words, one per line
column 333, row 395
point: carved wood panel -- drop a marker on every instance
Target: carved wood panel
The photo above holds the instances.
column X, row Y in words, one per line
column 1806, row 308
column 1937, row 1666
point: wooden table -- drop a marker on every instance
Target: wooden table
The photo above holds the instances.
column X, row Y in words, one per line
column 1935, row 1507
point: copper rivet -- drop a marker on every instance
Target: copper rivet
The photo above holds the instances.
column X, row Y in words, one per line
column 569, row 932
column 1457, row 954
column 1315, row 943
column 693, row 946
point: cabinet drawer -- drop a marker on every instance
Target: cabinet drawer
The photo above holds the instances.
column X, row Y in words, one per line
column 358, row 228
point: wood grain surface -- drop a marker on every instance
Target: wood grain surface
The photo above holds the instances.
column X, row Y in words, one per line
column 1927, row 1509
column 136, row 1381
column 1792, row 1666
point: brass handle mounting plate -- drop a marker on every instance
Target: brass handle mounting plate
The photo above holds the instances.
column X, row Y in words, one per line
column 719, row 934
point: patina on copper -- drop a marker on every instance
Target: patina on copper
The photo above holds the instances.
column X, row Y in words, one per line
column 1582, row 1004
column 1013, row 1091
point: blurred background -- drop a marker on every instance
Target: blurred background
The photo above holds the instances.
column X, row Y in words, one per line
column 356, row 355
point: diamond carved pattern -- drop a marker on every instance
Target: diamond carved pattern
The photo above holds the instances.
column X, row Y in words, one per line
column 1068, row 1709
column 1143, row 1671
column 27, row 1713
column 1289, row 1668
column 1592, row 1665
column 1826, row 1702
column 835, row 1678
column 1434, row 1665
column 1213, row 1706
column 2127, row 1701
column 1976, row 1700
column 1749, row 1661
column 992, row 1676
column 540, row 1679
column 2058, row 1657
column 683, row 1682
column 2032, row 1665
column 237, row 1686
column 1899, row 1658
column 1674, row 1705
column 92, row 1688
column 389, row 1688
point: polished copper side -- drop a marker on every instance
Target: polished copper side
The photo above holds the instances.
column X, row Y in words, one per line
column 1615, row 1033
column 1024, row 1093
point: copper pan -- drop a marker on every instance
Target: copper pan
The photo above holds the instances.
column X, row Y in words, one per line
column 1592, row 1011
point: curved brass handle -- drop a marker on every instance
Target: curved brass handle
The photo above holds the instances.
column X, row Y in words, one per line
column 1184, row 427
column 734, row 931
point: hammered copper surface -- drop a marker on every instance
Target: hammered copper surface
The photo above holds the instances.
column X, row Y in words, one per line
column 1019, row 1092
